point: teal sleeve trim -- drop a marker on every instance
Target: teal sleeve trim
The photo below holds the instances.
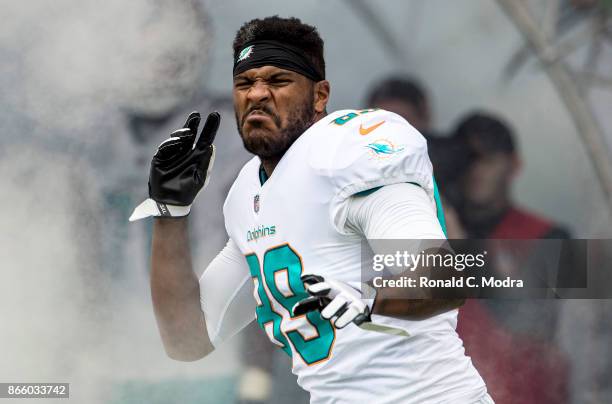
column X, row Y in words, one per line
column 367, row 191
column 439, row 208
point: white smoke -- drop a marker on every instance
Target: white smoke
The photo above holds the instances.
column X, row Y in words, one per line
column 49, row 299
column 79, row 59
column 70, row 311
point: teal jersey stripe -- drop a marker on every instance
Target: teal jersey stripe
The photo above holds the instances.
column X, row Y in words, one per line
column 263, row 177
column 367, row 191
column 439, row 208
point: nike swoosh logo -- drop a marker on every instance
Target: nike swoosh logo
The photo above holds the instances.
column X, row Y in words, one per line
column 365, row 131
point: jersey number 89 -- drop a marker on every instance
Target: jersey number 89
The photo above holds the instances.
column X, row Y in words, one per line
column 280, row 275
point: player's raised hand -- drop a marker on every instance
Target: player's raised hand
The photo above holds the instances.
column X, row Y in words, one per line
column 180, row 169
column 334, row 299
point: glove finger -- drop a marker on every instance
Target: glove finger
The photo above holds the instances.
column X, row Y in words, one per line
column 349, row 315
column 167, row 142
column 306, row 306
column 209, row 131
column 187, row 136
column 311, row 279
column 169, row 148
column 178, row 144
column 319, row 289
column 192, row 122
column 334, row 307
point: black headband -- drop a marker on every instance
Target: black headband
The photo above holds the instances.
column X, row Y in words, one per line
column 275, row 53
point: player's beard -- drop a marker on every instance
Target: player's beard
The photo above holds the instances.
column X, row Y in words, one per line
column 274, row 145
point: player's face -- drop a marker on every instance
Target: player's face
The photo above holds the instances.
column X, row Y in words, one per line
column 273, row 108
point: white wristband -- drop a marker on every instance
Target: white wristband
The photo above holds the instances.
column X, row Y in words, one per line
column 372, row 325
column 151, row 208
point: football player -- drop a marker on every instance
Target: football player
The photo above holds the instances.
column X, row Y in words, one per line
column 296, row 214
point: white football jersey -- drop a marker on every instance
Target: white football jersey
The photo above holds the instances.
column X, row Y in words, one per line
column 293, row 223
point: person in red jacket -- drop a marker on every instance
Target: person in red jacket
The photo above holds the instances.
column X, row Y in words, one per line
column 511, row 342
column 487, row 209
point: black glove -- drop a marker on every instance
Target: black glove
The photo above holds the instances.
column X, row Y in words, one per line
column 180, row 169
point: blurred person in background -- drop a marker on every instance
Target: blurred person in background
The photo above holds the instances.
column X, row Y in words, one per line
column 510, row 341
column 487, row 209
column 407, row 97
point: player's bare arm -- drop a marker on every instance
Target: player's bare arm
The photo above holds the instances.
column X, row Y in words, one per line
column 393, row 302
column 417, row 220
column 175, row 291
column 179, row 170
column 344, row 303
column 389, row 302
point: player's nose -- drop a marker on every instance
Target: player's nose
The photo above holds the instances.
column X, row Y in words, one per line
column 258, row 92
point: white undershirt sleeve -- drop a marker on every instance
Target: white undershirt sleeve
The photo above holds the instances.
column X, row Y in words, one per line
column 398, row 211
column 226, row 294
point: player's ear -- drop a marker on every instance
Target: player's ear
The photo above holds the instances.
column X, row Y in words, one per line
column 321, row 95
